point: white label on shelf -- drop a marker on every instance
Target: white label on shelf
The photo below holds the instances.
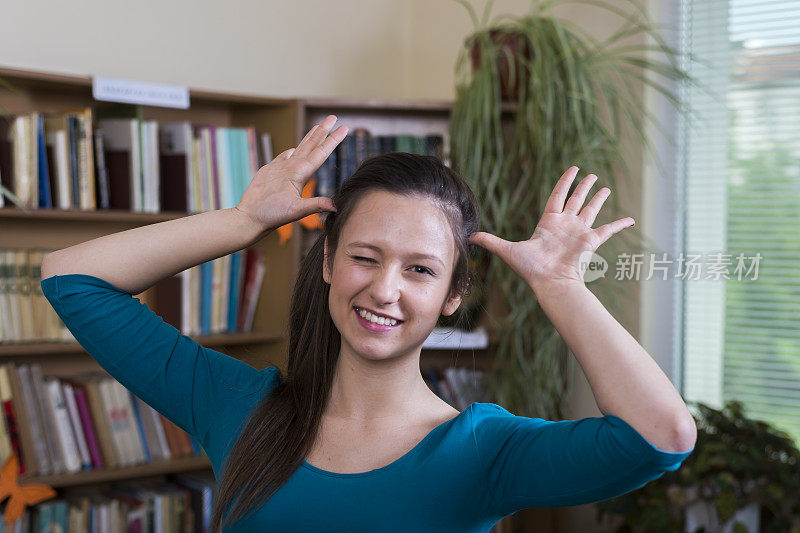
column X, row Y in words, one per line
column 139, row 92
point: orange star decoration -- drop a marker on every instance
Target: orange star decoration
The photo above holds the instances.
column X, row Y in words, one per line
column 20, row 495
column 311, row 221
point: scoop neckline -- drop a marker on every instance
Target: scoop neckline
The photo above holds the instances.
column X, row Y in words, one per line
column 394, row 463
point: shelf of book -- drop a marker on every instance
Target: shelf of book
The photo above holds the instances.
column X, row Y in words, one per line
column 156, row 468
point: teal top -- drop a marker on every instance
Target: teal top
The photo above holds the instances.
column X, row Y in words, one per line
column 465, row 475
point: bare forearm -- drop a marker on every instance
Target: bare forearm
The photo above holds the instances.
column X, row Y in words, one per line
column 624, row 378
column 137, row 259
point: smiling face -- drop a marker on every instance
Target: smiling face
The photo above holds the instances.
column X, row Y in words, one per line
column 393, row 263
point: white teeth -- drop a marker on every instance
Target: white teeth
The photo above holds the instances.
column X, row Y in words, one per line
column 376, row 319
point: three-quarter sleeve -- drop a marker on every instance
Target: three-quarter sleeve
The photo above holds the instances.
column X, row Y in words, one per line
column 186, row 382
column 531, row 462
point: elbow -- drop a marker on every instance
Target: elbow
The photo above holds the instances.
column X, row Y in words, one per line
column 48, row 266
column 685, row 435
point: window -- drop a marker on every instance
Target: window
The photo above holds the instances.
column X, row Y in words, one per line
column 740, row 188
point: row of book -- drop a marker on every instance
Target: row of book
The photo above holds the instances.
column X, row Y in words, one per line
column 361, row 144
column 183, row 503
column 218, row 296
column 90, row 421
column 25, row 314
column 458, row 386
column 215, row 297
column 112, row 158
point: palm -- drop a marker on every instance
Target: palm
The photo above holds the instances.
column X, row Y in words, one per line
column 562, row 235
column 273, row 197
column 558, row 239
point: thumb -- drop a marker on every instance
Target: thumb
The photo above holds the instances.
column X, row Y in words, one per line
column 494, row 244
column 315, row 205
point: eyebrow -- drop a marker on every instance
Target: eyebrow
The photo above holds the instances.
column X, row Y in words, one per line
column 416, row 255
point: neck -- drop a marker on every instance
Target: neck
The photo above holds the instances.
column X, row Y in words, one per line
column 366, row 389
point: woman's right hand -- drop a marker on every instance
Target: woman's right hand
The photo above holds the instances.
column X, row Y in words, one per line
column 273, row 197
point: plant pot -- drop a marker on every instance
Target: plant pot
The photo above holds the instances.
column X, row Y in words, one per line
column 514, row 44
column 703, row 514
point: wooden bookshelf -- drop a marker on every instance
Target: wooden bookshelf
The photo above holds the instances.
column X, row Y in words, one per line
column 286, row 120
column 59, row 228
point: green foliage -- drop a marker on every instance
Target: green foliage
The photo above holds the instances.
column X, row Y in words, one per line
column 577, row 100
column 736, row 461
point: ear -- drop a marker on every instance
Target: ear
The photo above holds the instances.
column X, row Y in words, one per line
column 326, row 274
column 451, row 304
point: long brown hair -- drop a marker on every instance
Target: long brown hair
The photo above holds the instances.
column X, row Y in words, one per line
column 282, row 427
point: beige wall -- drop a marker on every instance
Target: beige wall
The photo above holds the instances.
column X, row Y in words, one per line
column 280, row 48
column 341, row 48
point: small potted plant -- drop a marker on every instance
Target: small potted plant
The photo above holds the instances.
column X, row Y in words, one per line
column 739, row 466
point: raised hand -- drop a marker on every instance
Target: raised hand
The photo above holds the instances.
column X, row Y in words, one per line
column 563, row 235
column 273, row 197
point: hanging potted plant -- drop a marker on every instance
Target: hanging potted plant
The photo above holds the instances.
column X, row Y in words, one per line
column 534, row 95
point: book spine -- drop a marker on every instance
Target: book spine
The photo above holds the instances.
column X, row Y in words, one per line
column 102, row 423
column 206, row 280
column 77, row 427
column 28, row 461
column 34, row 415
column 148, row 427
column 88, row 154
column 222, row 145
column 116, row 423
column 22, row 170
column 101, row 170
column 163, row 443
column 214, row 168
column 10, row 418
column 74, row 169
column 137, row 179
column 45, row 198
column 137, row 415
column 54, row 446
column 252, row 292
column 64, row 434
column 233, row 292
column 88, row 427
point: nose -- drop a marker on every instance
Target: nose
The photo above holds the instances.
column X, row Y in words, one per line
column 385, row 286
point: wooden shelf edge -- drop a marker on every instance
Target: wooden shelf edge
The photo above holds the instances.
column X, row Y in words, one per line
column 172, row 466
column 48, row 78
column 220, row 339
column 383, row 105
column 99, row 215
column 378, row 104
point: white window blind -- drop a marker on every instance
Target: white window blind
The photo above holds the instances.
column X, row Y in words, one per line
column 740, row 186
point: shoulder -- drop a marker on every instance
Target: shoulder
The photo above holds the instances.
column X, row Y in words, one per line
column 271, row 377
column 488, row 413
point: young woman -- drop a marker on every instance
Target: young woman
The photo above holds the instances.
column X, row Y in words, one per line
column 351, row 438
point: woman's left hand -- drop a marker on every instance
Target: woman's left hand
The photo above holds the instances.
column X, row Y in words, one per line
column 563, row 235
